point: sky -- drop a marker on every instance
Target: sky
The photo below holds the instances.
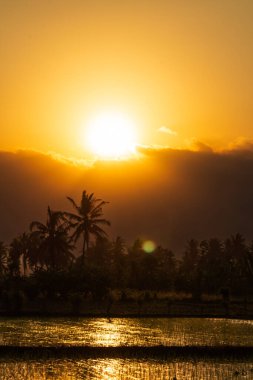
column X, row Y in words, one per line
column 180, row 70
column 181, row 74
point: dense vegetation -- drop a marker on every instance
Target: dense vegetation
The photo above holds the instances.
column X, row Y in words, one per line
column 42, row 263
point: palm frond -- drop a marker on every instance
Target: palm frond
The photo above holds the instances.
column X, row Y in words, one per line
column 74, row 204
column 77, row 233
column 70, row 215
column 97, row 231
column 101, row 221
column 38, row 225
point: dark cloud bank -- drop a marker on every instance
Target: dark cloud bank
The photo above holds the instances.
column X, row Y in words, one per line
column 169, row 196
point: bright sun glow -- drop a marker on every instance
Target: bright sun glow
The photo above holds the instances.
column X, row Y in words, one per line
column 111, row 135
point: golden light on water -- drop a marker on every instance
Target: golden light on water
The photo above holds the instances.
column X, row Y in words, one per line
column 110, row 334
column 111, row 135
column 108, row 369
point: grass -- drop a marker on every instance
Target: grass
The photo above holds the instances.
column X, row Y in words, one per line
column 198, row 352
column 135, row 303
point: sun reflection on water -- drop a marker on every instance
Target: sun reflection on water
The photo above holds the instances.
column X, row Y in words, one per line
column 125, row 369
column 108, row 369
column 124, row 331
column 108, row 333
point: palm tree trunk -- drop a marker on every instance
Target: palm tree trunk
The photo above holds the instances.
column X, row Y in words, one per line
column 24, row 264
column 83, row 247
column 85, row 244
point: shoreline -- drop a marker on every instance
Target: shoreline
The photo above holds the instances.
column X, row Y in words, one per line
column 134, row 309
column 159, row 351
column 47, row 314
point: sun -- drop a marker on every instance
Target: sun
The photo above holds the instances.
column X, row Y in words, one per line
column 111, row 135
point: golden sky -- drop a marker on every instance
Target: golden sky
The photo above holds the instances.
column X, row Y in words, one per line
column 184, row 65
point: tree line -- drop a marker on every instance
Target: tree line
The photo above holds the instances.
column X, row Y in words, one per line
column 42, row 261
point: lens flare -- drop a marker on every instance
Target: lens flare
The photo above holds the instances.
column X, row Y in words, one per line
column 149, row 246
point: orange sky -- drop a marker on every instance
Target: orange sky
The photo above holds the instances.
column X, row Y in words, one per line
column 183, row 64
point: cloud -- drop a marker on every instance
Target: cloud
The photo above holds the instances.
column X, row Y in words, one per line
column 241, row 144
column 201, row 147
column 167, row 130
column 55, row 156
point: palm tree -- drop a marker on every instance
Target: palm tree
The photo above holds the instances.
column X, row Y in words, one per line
column 24, row 242
column 118, row 247
column 13, row 261
column 87, row 219
column 3, row 258
column 236, row 253
column 20, row 251
column 54, row 248
column 120, row 267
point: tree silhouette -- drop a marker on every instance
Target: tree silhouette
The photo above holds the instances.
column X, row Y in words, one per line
column 87, row 220
column 189, row 267
column 236, row 253
column 3, row 258
column 54, row 243
column 13, row 260
column 166, row 267
column 135, row 256
column 213, row 264
column 23, row 242
column 118, row 255
column 118, row 247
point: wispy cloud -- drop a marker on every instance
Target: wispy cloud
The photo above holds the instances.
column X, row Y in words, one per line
column 198, row 146
column 58, row 157
column 169, row 131
column 241, row 144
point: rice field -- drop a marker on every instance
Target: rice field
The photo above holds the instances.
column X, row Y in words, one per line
column 126, row 348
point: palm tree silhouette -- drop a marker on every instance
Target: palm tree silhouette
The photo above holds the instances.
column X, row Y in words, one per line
column 24, row 244
column 87, row 219
column 13, row 261
column 20, row 251
column 3, row 258
column 54, row 247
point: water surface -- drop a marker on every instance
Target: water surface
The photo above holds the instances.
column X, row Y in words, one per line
column 125, row 331
column 125, row 369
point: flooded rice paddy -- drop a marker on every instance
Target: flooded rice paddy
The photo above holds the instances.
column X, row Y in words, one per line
column 125, row 369
column 125, row 331
column 77, row 332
